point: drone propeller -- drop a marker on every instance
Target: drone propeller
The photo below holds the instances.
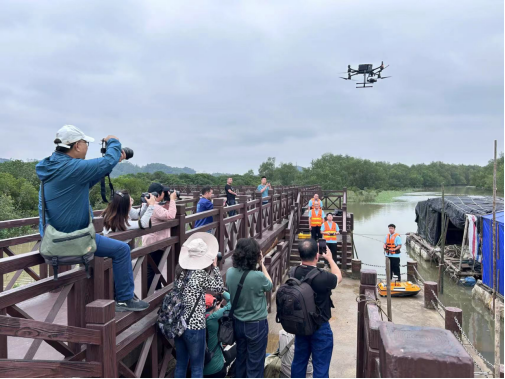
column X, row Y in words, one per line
column 354, row 80
column 384, row 77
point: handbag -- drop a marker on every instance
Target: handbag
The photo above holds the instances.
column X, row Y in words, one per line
column 273, row 362
column 59, row 248
column 226, row 333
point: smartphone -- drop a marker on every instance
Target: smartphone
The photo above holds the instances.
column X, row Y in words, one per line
column 322, row 246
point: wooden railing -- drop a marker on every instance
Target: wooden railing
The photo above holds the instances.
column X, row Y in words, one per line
column 89, row 301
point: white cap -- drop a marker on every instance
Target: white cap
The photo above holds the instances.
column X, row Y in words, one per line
column 69, row 134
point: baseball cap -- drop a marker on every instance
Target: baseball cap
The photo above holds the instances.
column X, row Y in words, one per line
column 69, row 134
column 210, row 301
column 158, row 188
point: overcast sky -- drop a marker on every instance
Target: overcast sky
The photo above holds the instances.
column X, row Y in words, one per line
column 219, row 86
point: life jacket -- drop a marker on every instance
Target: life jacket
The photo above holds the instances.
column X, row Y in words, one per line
column 314, row 203
column 330, row 234
column 390, row 243
column 317, row 218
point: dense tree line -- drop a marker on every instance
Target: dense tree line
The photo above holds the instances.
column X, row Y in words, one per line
column 19, row 183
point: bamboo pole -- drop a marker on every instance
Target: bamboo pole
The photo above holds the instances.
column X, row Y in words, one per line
column 495, row 308
column 388, row 283
column 442, row 248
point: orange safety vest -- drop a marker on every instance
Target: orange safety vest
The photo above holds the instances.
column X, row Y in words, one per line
column 314, row 203
column 330, row 234
column 390, row 243
column 316, row 219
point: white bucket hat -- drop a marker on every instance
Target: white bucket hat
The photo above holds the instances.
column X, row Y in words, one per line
column 199, row 251
column 69, row 134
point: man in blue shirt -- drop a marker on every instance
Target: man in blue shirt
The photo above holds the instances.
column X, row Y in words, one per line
column 392, row 246
column 264, row 187
column 204, row 204
column 68, row 178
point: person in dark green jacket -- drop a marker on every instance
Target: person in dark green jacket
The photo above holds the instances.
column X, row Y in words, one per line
column 216, row 368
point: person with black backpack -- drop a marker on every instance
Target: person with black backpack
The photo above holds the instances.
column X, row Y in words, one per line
column 310, row 324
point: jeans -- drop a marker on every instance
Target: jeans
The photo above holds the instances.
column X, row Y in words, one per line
column 156, row 256
column 252, row 339
column 190, row 347
column 230, row 203
column 320, row 346
column 119, row 252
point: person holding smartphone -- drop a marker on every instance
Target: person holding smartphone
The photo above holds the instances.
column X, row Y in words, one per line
column 264, row 187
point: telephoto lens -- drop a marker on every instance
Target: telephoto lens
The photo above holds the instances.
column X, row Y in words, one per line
column 128, row 152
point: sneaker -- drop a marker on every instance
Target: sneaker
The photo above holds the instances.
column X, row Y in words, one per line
column 132, row 305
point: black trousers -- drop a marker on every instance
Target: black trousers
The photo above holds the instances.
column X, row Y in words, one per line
column 333, row 249
column 395, row 267
column 156, row 256
column 315, row 232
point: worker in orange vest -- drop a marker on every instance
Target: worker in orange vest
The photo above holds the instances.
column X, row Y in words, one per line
column 316, row 217
column 392, row 246
column 330, row 229
column 315, row 200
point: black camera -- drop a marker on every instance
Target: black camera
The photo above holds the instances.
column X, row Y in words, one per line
column 147, row 195
column 128, row 152
column 169, row 191
column 219, row 256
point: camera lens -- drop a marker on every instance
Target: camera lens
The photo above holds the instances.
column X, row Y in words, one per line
column 219, row 256
column 128, row 152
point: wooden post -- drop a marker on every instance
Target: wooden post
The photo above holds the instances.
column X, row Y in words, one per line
column 411, row 272
column 219, row 205
column 271, row 213
column 76, row 304
column 244, row 225
column 368, row 280
column 356, row 266
column 279, row 216
column 388, row 283
column 450, row 323
column 344, row 250
column 428, row 294
column 260, row 215
column 100, row 316
column 179, row 231
column 442, row 248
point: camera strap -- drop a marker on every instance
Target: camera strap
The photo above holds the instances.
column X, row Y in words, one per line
column 102, row 189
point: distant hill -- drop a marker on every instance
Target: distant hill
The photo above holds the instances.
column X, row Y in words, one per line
column 125, row 168
column 2, row 160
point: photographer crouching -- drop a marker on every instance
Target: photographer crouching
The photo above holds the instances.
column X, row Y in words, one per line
column 64, row 209
column 162, row 212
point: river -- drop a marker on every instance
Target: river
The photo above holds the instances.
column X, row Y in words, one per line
column 371, row 226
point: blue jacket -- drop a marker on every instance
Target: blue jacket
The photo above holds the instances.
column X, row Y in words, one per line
column 67, row 182
column 202, row 206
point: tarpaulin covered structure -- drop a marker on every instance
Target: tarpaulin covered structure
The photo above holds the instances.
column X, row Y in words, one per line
column 429, row 215
column 487, row 250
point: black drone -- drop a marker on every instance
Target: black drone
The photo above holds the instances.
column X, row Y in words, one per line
column 370, row 74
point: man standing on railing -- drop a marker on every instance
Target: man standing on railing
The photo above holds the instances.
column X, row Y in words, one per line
column 161, row 213
column 392, row 246
column 314, row 200
column 230, row 195
column 316, row 217
column 330, row 229
column 264, row 187
column 67, row 179
column 205, row 204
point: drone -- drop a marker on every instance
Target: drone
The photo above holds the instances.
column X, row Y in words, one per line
column 370, row 74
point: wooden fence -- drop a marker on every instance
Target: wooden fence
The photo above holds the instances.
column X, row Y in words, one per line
column 95, row 341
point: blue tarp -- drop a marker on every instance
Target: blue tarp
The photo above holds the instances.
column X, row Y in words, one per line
column 487, row 249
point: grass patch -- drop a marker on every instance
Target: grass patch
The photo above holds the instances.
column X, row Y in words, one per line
column 373, row 196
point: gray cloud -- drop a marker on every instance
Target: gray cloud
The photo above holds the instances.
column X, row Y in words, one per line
column 222, row 86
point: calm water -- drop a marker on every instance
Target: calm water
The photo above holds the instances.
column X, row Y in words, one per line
column 370, row 226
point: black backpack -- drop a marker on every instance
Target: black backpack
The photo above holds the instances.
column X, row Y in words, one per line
column 296, row 306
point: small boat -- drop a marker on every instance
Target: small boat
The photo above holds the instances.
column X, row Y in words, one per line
column 399, row 289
